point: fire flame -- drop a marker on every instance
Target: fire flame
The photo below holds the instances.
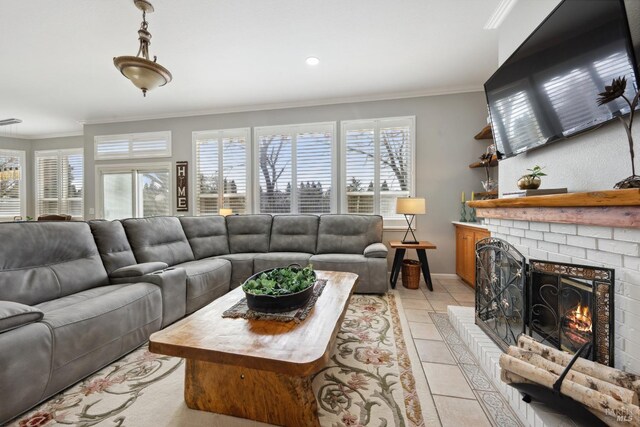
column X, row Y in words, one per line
column 582, row 317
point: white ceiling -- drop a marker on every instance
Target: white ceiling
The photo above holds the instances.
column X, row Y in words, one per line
column 56, row 69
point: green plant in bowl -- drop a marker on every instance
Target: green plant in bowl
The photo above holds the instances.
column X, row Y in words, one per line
column 281, row 281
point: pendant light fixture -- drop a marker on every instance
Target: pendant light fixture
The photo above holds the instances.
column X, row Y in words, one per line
column 143, row 73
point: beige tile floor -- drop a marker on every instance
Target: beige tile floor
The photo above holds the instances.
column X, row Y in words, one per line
column 455, row 401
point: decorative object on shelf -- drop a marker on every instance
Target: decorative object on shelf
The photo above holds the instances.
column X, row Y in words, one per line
column 529, row 193
column 615, row 91
column 532, row 180
column 463, row 209
column 143, row 73
column 472, row 211
column 485, row 161
column 410, row 207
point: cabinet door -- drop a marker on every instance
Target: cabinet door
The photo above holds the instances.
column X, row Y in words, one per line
column 459, row 251
column 469, row 257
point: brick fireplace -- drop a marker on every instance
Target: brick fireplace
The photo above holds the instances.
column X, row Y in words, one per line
column 599, row 230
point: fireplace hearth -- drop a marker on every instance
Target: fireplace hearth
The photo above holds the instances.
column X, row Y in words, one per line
column 561, row 305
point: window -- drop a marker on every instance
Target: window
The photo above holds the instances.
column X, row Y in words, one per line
column 221, row 159
column 12, row 184
column 378, row 165
column 59, row 182
column 134, row 191
column 133, row 146
column 296, row 168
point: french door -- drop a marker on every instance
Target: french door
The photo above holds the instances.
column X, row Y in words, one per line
column 134, row 192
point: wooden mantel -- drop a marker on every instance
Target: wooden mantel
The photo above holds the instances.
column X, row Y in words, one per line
column 613, row 208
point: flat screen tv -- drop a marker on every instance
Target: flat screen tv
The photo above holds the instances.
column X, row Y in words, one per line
column 548, row 88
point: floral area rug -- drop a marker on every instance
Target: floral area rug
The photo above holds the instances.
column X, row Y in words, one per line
column 368, row 382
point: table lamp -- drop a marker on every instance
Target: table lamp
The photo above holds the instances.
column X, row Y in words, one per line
column 225, row 211
column 410, row 207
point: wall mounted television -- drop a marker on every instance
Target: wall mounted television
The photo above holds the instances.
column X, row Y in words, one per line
column 547, row 89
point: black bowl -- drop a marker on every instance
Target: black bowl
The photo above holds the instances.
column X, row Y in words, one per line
column 277, row 303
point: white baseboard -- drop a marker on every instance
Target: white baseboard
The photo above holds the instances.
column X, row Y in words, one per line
column 444, row 276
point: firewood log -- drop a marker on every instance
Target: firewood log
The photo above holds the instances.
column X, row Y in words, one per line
column 590, row 398
column 617, row 392
column 587, row 367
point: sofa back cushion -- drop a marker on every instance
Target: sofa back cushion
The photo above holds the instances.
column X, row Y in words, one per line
column 112, row 244
column 348, row 234
column 42, row 261
column 207, row 235
column 248, row 233
column 294, row 233
column 159, row 238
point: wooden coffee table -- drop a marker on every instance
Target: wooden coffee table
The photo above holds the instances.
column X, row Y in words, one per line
column 257, row 369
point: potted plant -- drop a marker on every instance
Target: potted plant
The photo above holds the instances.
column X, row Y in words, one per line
column 615, row 91
column 531, row 181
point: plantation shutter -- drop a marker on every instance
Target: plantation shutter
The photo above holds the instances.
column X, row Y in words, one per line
column 59, row 182
column 378, row 156
column 133, row 146
column 314, row 161
column 221, row 171
column 296, row 168
column 11, row 182
column 274, row 168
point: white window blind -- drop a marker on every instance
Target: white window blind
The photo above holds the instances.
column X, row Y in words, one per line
column 59, row 182
column 12, row 188
column 221, row 159
column 133, row 146
column 134, row 191
column 296, row 168
column 378, row 164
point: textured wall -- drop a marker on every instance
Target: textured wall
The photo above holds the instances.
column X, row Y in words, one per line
column 592, row 161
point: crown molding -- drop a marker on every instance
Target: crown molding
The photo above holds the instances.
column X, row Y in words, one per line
column 284, row 105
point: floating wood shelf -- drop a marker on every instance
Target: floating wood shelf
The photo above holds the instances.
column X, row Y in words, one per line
column 485, row 133
column 613, row 208
column 492, row 163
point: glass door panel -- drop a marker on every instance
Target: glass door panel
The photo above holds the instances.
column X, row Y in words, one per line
column 117, row 195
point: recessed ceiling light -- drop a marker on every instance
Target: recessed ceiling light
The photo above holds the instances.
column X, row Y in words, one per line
column 312, row 60
column 498, row 15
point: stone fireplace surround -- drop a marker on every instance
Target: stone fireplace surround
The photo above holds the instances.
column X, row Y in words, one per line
column 562, row 229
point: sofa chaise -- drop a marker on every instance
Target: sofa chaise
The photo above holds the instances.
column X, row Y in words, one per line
column 75, row 296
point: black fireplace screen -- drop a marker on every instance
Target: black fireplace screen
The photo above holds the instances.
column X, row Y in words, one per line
column 500, row 292
column 560, row 305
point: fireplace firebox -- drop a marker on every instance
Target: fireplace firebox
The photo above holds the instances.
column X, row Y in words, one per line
column 561, row 305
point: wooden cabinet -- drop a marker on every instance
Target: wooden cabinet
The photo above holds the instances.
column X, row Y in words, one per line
column 466, row 238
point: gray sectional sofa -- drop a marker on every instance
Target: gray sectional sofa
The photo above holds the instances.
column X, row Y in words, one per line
column 75, row 296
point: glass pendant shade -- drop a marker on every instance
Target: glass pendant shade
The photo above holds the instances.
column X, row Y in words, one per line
column 146, row 75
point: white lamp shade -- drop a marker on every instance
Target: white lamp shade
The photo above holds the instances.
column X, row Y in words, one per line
column 226, row 211
column 411, row 205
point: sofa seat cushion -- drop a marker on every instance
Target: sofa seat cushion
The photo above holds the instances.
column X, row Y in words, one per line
column 241, row 267
column 91, row 333
column 372, row 272
column 72, row 299
column 207, row 279
column 279, row 259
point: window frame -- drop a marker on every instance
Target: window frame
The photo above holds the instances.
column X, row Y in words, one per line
column 248, row 161
column 58, row 155
column 22, row 159
column 345, row 125
column 293, row 130
column 131, row 168
column 131, row 139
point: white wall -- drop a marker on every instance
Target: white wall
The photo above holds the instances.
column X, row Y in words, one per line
column 592, row 161
column 445, row 126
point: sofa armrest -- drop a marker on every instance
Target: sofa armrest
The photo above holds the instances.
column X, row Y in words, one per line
column 376, row 250
column 173, row 286
column 137, row 270
column 13, row 315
